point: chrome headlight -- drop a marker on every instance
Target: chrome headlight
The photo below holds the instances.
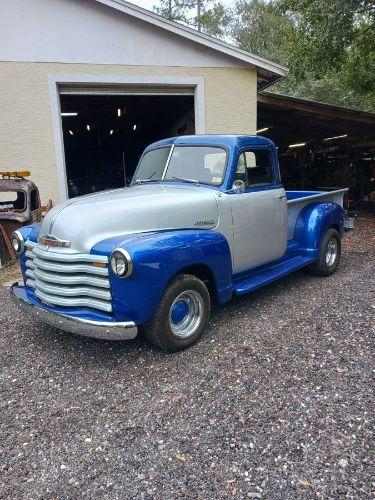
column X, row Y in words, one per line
column 18, row 242
column 121, row 263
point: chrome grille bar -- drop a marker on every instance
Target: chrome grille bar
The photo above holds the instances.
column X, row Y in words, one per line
column 72, row 291
column 65, row 279
column 65, row 257
column 68, row 279
column 69, row 267
column 73, row 302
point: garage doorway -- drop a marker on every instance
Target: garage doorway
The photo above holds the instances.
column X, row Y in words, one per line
column 104, row 134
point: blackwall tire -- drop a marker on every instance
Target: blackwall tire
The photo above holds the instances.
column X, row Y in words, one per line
column 182, row 315
column 329, row 254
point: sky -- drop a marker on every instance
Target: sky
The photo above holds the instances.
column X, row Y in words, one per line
column 148, row 4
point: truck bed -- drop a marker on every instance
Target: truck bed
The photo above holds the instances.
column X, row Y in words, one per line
column 298, row 200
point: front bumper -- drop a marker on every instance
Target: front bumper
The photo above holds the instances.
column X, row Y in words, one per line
column 106, row 330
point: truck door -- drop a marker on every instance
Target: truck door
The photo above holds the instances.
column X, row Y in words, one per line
column 259, row 212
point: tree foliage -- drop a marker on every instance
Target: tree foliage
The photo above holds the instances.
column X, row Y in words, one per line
column 176, row 10
column 214, row 21
column 256, row 27
column 331, row 51
column 207, row 16
column 328, row 46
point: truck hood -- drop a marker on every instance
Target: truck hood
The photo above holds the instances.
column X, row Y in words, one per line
column 86, row 220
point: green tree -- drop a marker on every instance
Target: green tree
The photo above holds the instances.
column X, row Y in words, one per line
column 207, row 16
column 329, row 47
column 256, row 26
column 323, row 32
column 214, row 20
column 175, row 10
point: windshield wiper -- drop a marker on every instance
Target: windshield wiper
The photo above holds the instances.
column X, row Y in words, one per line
column 183, row 179
column 142, row 181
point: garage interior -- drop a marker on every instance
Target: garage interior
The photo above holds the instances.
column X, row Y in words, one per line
column 105, row 133
column 321, row 146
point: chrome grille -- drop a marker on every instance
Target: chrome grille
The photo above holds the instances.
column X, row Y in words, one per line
column 68, row 279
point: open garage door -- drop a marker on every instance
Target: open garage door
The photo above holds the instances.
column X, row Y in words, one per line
column 105, row 130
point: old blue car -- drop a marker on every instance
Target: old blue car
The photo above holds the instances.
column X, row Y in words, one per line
column 205, row 217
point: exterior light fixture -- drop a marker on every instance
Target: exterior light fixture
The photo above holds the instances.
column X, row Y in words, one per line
column 71, row 132
column 119, row 112
column 335, row 137
column 88, row 127
column 299, row 145
column 135, row 126
column 121, row 263
column 262, row 130
column 17, row 242
column 111, row 131
column 73, row 113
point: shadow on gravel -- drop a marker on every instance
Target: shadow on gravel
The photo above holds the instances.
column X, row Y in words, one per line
column 99, row 351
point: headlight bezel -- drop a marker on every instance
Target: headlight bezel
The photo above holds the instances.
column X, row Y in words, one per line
column 17, row 235
column 124, row 255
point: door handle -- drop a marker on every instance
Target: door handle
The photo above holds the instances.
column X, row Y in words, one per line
column 280, row 196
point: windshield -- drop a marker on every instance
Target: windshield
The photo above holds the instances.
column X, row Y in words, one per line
column 203, row 164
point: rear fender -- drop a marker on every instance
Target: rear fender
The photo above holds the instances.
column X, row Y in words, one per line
column 313, row 222
column 157, row 258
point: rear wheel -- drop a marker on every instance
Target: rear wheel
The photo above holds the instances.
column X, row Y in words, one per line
column 329, row 254
column 182, row 314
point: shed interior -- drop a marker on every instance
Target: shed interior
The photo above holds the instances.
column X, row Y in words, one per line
column 321, row 146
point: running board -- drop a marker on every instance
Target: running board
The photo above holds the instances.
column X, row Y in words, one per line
column 269, row 274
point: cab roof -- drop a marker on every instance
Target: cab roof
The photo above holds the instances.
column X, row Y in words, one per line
column 16, row 184
column 228, row 141
column 233, row 144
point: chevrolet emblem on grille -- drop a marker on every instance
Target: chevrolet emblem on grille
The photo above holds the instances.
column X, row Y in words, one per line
column 51, row 241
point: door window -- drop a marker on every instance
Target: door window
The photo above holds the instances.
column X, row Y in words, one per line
column 255, row 168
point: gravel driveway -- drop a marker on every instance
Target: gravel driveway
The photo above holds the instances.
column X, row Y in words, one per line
column 274, row 402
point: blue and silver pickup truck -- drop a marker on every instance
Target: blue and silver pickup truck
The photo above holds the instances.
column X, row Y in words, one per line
column 205, row 218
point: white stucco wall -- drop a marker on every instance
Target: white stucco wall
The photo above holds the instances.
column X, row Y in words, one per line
column 84, row 31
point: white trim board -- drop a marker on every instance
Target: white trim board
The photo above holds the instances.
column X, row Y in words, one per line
column 56, row 81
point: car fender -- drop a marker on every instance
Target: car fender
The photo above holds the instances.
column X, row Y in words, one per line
column 30, row 233
column 157, row 257
column 313, row 222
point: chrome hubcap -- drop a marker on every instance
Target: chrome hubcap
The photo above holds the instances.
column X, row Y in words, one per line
column 186, row 314
column 331, row 252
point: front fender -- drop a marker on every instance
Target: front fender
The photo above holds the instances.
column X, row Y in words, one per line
column 159, row 256
column 313, row 222
column 30, row 233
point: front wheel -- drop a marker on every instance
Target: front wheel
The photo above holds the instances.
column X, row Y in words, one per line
column 182, row 315
column 329, row 254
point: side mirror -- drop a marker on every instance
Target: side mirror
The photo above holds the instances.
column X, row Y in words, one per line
column 238, row 186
